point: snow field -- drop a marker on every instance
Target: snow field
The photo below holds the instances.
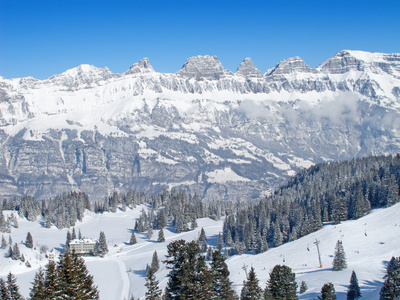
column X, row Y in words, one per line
column 369, row 243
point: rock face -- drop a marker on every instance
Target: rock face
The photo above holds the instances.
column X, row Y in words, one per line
column 218, row 134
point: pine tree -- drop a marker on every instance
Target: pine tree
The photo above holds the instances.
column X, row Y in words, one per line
column 155, row 263
column 4, row 294
column 10, row 252
column 80, row 234
column 3, row 242
column 15, row 252
column 209, row 253
column 133, row 241
column 353, row 292
column 303, row 287
column 339, row 259
column 149, row 232
column 86, row 290
column 50, row 282
column 153, row 291
column 13, row 288
column 38, row 290
column 67, row 241
column 73, row 235
column 282, row 283
column 161, row 237
column 251, row 289
column 391, row 286
column 220, row 242
column 102, row 248
column 189, row 277
column 175, row 260
column 327, row 292
column 29, row 240
column 220, row 278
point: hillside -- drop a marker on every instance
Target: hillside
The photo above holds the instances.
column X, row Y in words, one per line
column 369, row 243
column 205, row 129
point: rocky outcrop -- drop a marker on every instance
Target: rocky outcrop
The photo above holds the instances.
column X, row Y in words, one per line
column 214, row 133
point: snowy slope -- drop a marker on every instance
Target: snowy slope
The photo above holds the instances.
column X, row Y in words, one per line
column 369, row 244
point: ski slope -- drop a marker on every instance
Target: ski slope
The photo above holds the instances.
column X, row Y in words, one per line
column 369, row 243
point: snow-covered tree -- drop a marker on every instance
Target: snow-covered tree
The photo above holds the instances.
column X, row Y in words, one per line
column 153, row 291
column 155, row 263
column 353, row 292
column 327, row 292
column 339, row 259
column 29, row 240
column 13, row 288
column 101, row 245
column 16, row 254
column 4, row 294
column 133, row 240
column 220, row 277
column 38, row 290
column 161, row 237
column 391, row 286
column 3, row 242
column 303, row 287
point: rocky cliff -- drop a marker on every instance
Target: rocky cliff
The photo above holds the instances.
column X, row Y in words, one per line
column 219, row 134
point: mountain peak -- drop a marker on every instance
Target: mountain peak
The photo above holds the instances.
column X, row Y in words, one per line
column 143, row 66
column 207, row 67
column 82, row 76
column 291, row 65
column 355, row 60
column 247, row 69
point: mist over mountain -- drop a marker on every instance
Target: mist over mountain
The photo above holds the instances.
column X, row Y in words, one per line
column 219, row 134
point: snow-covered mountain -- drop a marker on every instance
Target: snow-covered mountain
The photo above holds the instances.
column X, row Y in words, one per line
column 209, row 130
column 369, row 244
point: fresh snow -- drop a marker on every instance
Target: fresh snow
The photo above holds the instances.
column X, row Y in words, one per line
column 369, row 243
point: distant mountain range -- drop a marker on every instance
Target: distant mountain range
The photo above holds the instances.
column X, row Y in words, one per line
column 219, row 134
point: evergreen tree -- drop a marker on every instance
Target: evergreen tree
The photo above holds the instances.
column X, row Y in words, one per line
column 50, row 282
column 15, row 252
column 73, row 279
column 251, row 289
column 155, row 263
column 189, row 277
column 353, row 292
column 13, row 289
column 220, row 278
column 133, row 241
column 339, row 259
column 4, row 294
column 220, row 242
column 10, row 252
column 73, row 234
column 67, row 241
column 391, row 286
column 153, row 291
column 87, row 290
column 303, row 287
column 161, row 237
column 29, row 240
column 149, row 232
column 282, row 283
column 327, row 292
column 80, row 234
column 38, row 290
column 3, row 242
column 102, row 248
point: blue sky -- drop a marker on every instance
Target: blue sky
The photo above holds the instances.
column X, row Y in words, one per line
column 42, row 38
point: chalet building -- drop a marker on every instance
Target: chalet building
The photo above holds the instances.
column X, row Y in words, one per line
column 83, row 246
